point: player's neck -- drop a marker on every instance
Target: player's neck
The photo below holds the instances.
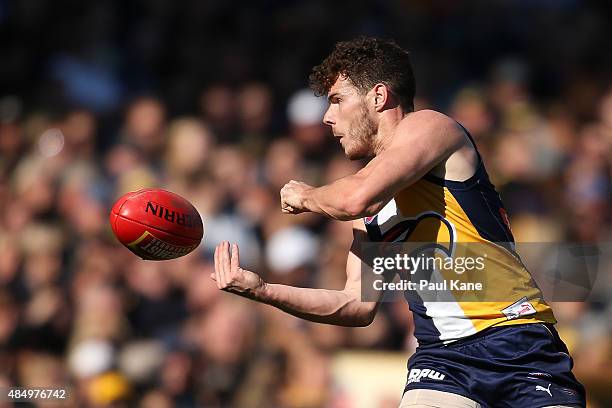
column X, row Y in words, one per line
column 387, row 124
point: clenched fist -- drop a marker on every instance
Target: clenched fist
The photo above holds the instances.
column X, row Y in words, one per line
column 230, row 276
column 292, row 197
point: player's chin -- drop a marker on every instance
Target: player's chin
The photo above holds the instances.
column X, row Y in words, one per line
column 354, row 154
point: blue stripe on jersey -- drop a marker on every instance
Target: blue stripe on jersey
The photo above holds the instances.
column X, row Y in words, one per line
column 373, row 229
column 485, row 210
column 424, row 328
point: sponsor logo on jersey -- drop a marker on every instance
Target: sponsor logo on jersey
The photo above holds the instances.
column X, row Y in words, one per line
column 416, row 375
column 519, row 308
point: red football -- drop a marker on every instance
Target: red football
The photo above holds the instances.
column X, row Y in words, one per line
column 156, row 224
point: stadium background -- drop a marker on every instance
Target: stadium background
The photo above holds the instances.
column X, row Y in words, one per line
column 205, row 98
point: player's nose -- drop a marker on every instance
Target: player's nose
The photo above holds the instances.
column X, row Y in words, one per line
column 328, row 118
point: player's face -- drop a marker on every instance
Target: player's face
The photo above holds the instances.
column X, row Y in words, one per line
column 350, row 119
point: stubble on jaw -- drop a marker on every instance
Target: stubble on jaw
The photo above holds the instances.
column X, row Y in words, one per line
column 361, row 135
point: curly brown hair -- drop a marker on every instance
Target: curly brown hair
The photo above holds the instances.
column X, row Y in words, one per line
column 366, row 61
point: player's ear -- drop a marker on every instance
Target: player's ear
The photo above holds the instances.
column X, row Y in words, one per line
column 381, row 96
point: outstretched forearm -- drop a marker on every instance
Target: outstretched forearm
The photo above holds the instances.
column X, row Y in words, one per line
column 341, row 308
column 338, row 307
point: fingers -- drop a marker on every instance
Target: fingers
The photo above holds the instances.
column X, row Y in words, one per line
column 217, row 273
column 285, row 208
column 225, row 264
column 229, row 276
column 284, row 197
column 220, row 272
column 291, row 197
column 235, row 259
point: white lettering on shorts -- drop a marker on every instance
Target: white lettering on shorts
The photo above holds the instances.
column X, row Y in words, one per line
column 417, row 374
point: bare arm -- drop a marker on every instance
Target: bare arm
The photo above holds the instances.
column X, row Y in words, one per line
column 422, row 141
column 337, row 307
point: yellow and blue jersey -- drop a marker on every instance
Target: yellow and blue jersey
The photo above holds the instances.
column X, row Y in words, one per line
column 468, row 215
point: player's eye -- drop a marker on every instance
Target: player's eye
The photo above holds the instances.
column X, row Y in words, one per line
column 334, row 100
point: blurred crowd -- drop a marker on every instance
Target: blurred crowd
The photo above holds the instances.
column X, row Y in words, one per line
column 226, row 124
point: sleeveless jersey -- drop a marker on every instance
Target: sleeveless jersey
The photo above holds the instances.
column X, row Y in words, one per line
column 468, row 216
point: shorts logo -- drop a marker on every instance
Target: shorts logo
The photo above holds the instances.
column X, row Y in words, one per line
column 519, row 308
column 416, row 375
column 540, row 388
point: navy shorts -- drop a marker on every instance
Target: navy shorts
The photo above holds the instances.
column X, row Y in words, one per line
column 526, row 366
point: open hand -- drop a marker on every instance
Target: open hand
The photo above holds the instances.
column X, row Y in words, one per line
column 230, row 276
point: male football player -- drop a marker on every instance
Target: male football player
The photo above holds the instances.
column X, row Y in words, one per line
column 424, row 181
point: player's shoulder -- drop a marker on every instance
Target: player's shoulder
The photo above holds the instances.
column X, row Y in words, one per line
column 430, row 119
column 430, row 123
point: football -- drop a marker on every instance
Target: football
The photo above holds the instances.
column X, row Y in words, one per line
column 156, row 224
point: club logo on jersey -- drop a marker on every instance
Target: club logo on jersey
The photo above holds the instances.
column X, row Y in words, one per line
column 418, row 229
column 416, row 375
column 519, row 308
